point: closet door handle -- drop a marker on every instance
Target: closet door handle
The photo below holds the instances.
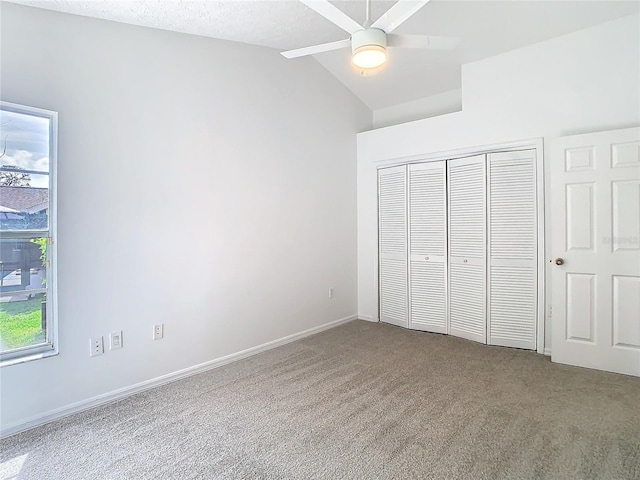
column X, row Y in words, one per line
column 426, row 258
column 559, row 261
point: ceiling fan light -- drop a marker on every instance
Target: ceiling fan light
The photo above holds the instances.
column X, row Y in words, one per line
column 369, row 56
column 369, row 48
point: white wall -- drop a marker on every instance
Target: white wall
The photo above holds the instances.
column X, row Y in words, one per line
column 440, row 104
column 204, row 184
column 578, row 83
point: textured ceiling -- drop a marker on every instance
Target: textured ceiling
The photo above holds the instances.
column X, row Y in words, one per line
column 485, row 28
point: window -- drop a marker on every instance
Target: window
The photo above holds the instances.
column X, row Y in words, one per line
column 27, row 233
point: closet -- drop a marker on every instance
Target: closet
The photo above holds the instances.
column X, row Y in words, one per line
column 458, row 247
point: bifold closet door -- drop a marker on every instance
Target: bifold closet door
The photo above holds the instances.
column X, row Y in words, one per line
column 512, row 249
column 467, row 247
column 427, row 247
column 392, row 224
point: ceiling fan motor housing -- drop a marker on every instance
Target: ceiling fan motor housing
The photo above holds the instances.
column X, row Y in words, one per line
column 369, row 37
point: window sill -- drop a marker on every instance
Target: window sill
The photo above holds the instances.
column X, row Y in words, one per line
column 28, row 357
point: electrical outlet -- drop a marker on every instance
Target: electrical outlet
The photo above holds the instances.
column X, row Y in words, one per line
column 115, row 340
column 158, row 331
column 97, row 347
column 331, row 292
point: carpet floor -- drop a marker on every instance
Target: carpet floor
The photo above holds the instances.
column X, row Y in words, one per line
column 360, row 401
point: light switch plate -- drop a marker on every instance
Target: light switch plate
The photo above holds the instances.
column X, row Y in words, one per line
column 115, row 340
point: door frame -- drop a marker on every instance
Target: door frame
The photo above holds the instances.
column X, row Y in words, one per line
column 536, row 144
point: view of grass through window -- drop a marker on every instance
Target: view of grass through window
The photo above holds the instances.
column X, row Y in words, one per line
column 21, row 323
column 25, row 149
column 23, row 303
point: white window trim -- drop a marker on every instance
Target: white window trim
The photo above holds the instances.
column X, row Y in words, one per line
column 50, row 347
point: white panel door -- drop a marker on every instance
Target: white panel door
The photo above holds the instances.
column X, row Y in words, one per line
column 467, row 247
column 512, row 249
column 392, row 221
column 595, row 187
column 428, row 247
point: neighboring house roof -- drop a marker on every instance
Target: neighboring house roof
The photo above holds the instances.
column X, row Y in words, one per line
column 24, row 199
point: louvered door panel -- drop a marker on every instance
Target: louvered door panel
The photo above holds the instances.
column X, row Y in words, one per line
column 467, row 247
column 467, row 225
column 512, row 249
column 428, row 297
column 427, row 241
column 393, row 291
column 512, row 307
column 392, row 222
column 467, row 306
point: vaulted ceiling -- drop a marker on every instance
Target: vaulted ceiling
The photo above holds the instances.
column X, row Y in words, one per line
column 485, row 28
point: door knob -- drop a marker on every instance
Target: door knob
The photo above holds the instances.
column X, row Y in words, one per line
column 559, row 261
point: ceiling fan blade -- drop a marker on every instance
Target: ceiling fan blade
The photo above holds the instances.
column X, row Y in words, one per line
column 397, row 14
column 323, row 47
column 333, row 14
column 431, row 42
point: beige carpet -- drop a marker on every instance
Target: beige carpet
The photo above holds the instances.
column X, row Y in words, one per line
column 361, row 401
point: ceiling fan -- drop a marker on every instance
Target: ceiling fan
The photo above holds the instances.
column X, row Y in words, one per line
column 369, row 42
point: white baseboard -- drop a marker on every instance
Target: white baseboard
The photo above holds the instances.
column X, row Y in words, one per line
column 114, row 395
column 368, row 318
column 547, row 352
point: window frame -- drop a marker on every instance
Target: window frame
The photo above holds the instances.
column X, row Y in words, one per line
column 50, row 345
